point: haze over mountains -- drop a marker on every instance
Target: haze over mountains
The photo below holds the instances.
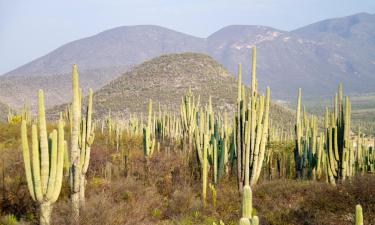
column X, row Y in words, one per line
column 315, row 57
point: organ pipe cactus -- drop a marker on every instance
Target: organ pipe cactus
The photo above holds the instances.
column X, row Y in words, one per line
column 247, row 207
column 338, row 139
column 189, row 109
column 252, row 129
column 44, row 169
column 82, row 137
column 358, row 215
column 86, row 138
column 148, row 140
column 308, row 146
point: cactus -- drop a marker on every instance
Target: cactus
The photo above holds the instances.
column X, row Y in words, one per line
column 358, row 215
column 252, row 130
column 148, row 139
column 86, row 139
column 213, row 194
column 188, row 112
column 82, row 137
column 44, row 170
column 204, row 168
column 308, row 146
column 247, row 207
column 338, row 139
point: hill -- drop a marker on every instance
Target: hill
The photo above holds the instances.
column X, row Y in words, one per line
column 315, row 57
column 166, row 79
column 3, row 112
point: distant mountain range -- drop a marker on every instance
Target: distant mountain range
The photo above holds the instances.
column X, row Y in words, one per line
column 315, row 57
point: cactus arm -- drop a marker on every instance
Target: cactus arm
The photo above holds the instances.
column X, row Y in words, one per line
column 53, row 162
column 44, row 156
column 60, row 161
column 26, row 159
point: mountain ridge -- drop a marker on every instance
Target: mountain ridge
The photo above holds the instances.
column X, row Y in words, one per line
column 287, row 60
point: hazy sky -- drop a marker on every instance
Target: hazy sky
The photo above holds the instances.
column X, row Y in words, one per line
column 32, row 28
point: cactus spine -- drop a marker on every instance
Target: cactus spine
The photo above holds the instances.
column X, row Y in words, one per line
column 44, row 171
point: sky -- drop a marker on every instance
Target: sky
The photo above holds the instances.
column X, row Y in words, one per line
column 30, row 29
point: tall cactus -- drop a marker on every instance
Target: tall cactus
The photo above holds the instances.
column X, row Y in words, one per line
column 44, row 171
column 148, row 139
column 252, row 129
column 75, row 163
column 338, row 139
column 85, row 140
column 82, row 137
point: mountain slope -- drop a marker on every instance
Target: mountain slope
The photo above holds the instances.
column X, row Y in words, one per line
column 127, row 45
column 3, row 112
column 316, row 58
column 166, row 79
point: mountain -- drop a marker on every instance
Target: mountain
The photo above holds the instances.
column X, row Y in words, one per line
column 315, row 57
column 166, row 79
column 3, row 112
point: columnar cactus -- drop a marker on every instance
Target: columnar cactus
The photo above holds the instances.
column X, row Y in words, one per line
column 358, row 215
column 189, row 109
column 148, row 139
column 44, row 169
column 86, row 138
column 338, row 139
column 308, row 146
column 247, row 207
column 252, row 130
column 75, row 163
column 82, row 137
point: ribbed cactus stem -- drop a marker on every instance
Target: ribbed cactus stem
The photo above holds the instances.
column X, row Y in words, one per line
column 247, row 204
column 204, row 169
column 358, row 215
column 75, row 170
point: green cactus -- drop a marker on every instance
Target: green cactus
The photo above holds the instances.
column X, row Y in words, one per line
column 252, row 130
column 338, row 139
column 358, row 215
column 247, row 208
column 82, row 137
column 148, row 139
column 44, row 170
column 86, row 139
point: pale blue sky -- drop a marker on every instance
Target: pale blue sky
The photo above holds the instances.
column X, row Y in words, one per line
column 32, row 28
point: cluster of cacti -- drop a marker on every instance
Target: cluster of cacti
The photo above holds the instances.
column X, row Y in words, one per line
column 308, row 149
column 251, row 129
column 12, row 118
column 44, row 169
column 189, row 109
column 365, row 154
column 340, row 161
